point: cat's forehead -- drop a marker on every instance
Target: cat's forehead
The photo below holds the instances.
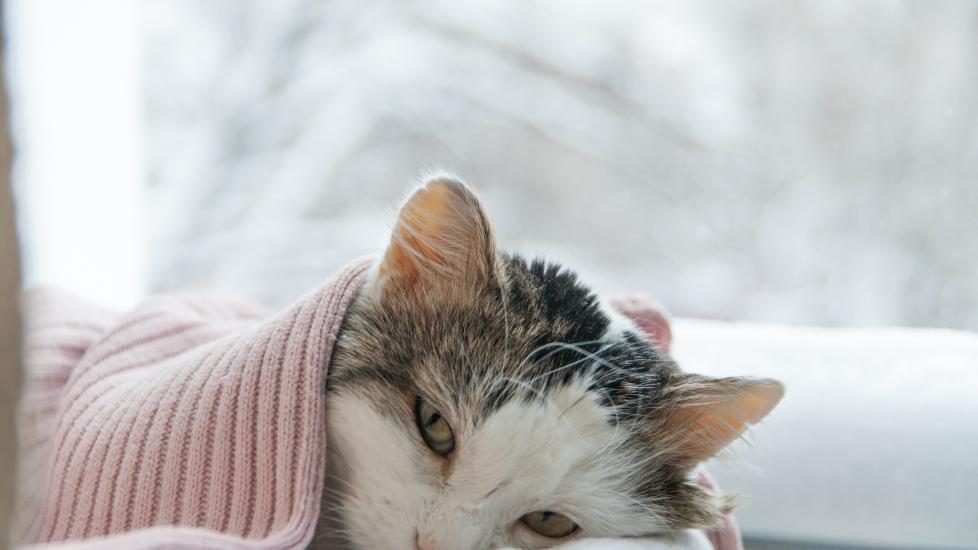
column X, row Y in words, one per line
column 541, row 329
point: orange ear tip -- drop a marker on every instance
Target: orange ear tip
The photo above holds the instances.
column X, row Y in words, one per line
column 768, row 393
column 433, row 200
column 775, row 387
column 440, row 228
column 438, row 186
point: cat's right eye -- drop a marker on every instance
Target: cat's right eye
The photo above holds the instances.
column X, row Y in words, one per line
column 435, row 431
column 550, row 524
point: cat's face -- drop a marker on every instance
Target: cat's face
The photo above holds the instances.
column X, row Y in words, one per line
column 479, row 401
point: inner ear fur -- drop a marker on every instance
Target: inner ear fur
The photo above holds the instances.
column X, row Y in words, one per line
column 705, row 414
column 441, row 240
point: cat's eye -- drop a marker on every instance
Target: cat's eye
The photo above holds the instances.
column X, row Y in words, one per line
column 550, row 524
column 435, row 431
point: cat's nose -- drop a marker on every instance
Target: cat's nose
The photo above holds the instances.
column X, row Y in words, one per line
column 424, row 542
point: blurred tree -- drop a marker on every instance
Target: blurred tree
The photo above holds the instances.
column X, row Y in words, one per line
column 798, row 162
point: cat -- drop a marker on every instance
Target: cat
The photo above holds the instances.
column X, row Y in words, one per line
column 477, row 399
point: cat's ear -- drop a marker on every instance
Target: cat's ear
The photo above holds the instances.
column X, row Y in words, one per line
column 442, row 238
column 710, row 413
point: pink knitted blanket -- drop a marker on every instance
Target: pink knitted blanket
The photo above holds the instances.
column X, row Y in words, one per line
column 188, row 412
column 190, row 422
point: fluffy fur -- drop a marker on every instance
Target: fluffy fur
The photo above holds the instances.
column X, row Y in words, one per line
column 556, row 402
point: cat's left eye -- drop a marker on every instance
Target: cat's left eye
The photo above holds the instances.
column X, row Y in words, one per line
column 550, row 524
column 435, row 431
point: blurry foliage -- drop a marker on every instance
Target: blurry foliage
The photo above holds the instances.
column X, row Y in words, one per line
column 801, row 162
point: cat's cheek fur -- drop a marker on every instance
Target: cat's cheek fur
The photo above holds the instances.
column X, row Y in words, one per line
column 371, row 479
column 562, row 454
column 390, row 485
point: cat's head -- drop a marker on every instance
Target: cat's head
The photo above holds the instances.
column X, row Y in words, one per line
column 478, row 400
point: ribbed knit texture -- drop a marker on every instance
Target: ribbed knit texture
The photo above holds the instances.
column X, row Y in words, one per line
column 190, row 412
column 193, row 421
